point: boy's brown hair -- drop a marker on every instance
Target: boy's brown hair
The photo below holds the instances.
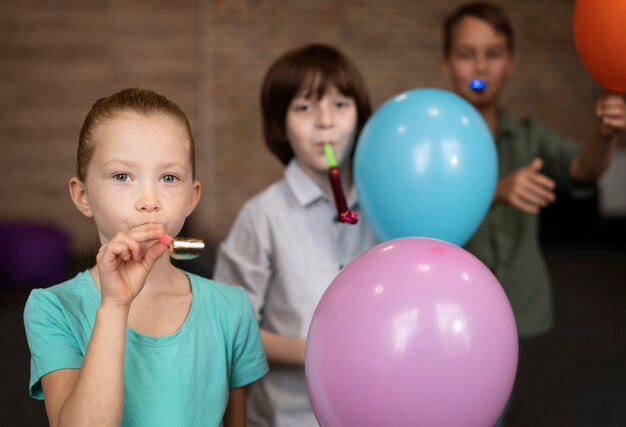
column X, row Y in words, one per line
column 312, row 68
column 491, row 14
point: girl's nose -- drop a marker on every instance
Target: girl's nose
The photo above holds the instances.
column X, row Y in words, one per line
column 147, row 200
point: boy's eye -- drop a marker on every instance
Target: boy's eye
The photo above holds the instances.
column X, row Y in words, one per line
column 494, row 54
column 343, row 103
column 301, row 107
column 122, row 177
column 169, row 178
column 464, row 54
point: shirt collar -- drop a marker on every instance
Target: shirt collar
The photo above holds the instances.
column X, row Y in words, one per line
column 306, row 191
column 507, row 124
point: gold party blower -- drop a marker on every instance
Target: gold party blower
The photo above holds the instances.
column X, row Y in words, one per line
column 183, row 248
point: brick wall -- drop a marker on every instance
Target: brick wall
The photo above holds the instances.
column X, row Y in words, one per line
column 210, row 56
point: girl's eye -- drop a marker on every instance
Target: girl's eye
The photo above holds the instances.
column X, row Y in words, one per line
column 169, row 178
column 122, row 177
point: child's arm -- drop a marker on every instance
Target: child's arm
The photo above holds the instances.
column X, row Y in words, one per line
column 235, row 415
column 595, row 158
column 244, row 259
column 95, row 393
column 283, row 350
column 528, row 190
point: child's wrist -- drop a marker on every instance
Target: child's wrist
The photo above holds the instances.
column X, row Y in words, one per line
column 112, row 307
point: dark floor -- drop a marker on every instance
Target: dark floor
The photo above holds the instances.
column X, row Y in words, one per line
column 574, row 376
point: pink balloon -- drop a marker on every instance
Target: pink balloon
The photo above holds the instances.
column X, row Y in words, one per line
column 414, row 332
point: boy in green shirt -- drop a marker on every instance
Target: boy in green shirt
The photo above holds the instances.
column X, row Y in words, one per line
column 533, row 161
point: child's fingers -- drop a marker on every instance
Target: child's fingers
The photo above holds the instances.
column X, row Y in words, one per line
column 524, row 205
column 612, row 114
column 611, row 110
column 131, row 243
column 153, row 253
column 611, row 123
column 616, row 123
column 531, row 198
column 533, row 190
column 540, row 180
column 112, row 253
column 147, row 232
column 536, row 164
column 613, row 118
column 613, row 101
column 539, row 196
column 126, row 246
column 612, row 107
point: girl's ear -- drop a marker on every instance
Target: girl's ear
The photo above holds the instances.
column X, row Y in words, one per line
column 195, row 197
column 79, row 196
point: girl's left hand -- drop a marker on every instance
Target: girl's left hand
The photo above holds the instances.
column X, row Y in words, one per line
column 122, row 268
column 611, row 113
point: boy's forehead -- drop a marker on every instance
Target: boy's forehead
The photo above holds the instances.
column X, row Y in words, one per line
column 318, row 87
column 471, row 30
column 318, row 92
column 320, row 82
column 312, row 84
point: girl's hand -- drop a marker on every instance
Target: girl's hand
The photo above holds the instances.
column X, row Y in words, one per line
column 526, row 188
column 122, row 267
column 611, row 114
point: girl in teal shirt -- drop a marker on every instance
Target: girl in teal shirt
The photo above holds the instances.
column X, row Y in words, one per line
column 135, row 341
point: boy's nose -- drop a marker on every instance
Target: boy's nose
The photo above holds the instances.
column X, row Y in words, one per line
column 325, row 117
column 481, row 63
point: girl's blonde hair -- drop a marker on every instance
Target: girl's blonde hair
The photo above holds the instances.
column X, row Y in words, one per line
column 142, row 101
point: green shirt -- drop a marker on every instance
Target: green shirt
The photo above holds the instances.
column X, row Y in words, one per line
column 182, row 379
column 508, row 239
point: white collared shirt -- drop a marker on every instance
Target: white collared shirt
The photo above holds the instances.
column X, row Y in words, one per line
column 285, row 248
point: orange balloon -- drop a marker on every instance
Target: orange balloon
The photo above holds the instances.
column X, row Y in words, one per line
column 600, row 36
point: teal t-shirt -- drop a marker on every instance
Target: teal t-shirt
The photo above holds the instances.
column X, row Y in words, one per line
column 182, row 379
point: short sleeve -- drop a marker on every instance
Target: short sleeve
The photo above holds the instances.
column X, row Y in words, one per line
column 243, row 259
column 52, row 344
column 248, row 358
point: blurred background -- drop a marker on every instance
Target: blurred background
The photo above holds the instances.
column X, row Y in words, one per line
column 209, row 56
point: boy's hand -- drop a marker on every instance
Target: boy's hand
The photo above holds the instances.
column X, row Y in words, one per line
column 526, row 188
column 611, row 114
column 123, row 268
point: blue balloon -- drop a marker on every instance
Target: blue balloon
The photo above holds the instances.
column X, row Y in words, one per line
column 425, row 166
